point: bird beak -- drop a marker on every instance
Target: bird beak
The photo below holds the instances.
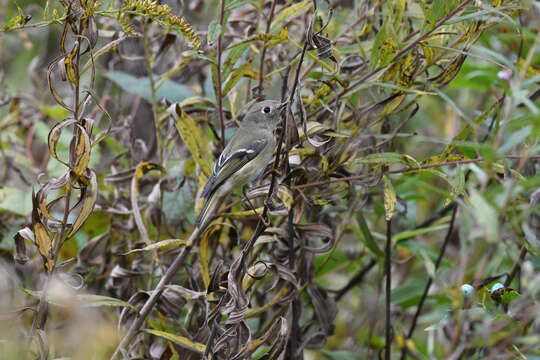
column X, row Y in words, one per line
column 282, row 105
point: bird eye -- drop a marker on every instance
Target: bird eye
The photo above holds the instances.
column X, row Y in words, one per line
column 266, row 110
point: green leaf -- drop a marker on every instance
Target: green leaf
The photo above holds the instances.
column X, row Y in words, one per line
column 170, row 90
column 56, row 112
column 232, row 57
column 413, row 233
column 289, row 13
column 366, row 236
column 509, row 295
column 384, row 47
column 214, row 31
column 233, row 4
column 180, row 340
column 388, row 158
column 236, row 76
column 408, row 295
column 193, row 137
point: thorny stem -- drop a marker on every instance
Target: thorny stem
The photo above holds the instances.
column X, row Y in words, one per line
column 414, row 322
column 263, row 51
column 218, row 64
column 422, row 167
column 388, row 271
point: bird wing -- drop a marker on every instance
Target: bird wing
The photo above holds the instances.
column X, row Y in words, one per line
column 229, row 163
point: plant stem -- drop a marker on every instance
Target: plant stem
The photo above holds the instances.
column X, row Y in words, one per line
column 356, row 279
column 422, row 167
column 516, row 266
column 218, row 64
column 430, row 280
column 388, row 271
column 263, row 51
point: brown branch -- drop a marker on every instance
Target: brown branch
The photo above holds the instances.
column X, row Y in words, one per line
column 401, row 171
column 263, row 51
column 356, row 279
column 388, row 271
column 516, row 266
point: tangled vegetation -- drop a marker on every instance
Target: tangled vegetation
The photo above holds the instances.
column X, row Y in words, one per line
column 399, row 218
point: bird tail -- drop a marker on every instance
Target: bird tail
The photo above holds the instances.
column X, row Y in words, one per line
column 207, row 212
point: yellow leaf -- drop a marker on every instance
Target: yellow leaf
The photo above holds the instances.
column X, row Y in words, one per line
column 80, row 154
column 449, row 72
column 180, row 340
column 258, row 210
column 203, row 258
column 282, row 38
column 193, row 137
column 44, row 244
column 389, row 198
column 72, row 71
column 160, row 244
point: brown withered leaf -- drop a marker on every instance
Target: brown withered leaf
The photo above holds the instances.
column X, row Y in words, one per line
column 42, row 237
column 54, row 137
column 80, row 151
column 324, row 306
column 88, row 199
column 71, row 67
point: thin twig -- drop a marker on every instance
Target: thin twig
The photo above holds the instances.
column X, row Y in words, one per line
column 356, row 279
column 295, row 306
column 516, row 266
column 263, row 51
column 218, row 64
column 430, row 280
column 422, row 167
column 388, row 271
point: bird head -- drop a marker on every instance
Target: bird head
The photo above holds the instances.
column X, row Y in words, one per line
column 265, row 112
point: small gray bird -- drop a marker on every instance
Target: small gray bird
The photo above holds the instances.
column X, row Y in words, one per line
column 244, row 158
